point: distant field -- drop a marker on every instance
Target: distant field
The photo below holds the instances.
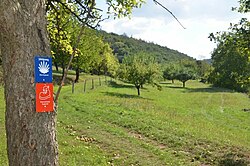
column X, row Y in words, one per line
column 111, row 125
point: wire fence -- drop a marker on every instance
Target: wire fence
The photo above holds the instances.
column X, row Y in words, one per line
column 90, row 84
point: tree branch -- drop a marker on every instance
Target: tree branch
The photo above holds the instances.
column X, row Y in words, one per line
column 68, row 66
column 169, row 12
column 74, row 52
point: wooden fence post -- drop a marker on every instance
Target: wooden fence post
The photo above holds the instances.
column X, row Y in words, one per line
column 100, row 83
column 73, row 87
column 84, row 89
column 93, row 84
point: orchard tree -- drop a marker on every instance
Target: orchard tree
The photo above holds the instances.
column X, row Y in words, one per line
column 139, row 70
column 31, row 136
column 91, row 55
column 203, row 70
column 97, row 64
column 187, row 71
column 109, row 64
column 183, row 71
column 231, row 65
column 231, row 58
column 94, row 56
column 184, row 75
column 61, row 25
column 170, row 71
column 88, row 52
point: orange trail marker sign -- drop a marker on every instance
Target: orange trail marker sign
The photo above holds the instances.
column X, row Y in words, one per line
column 44, row 97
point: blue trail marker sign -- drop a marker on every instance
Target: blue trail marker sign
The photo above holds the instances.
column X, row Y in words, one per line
column 43, row 69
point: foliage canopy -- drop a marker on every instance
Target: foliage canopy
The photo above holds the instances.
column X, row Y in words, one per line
column 231, row 58
column 140, row 69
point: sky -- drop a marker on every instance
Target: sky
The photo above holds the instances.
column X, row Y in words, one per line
column 200, row 18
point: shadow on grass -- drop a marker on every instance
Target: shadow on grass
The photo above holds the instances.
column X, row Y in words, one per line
column 176, row 87
column 57, row 80
column 122, row 95
column 165, row 83
column 116, row 85
column 210, row 89
column 233, row 160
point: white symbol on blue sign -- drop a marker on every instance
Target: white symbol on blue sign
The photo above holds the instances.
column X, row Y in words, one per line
column 43, row 67
column 43, row 72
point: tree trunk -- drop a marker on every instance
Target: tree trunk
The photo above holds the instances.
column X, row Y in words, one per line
column 31, row 136
column 93, row 84
column 184, row 84
column 141, row 85
column 138, row 90
column 77, row 75
column 63, row 70
column 172, row 81
column 56, row 65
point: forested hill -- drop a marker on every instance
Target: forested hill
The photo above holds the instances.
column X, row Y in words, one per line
column 209, row 61
column 123, row 45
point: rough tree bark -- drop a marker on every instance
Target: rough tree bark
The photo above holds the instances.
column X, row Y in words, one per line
column 31, row 136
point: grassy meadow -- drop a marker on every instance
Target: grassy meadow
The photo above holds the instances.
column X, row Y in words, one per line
column 111, row 125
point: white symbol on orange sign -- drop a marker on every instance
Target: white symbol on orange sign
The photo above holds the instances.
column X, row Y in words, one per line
column 45, row 94
column 43, row 67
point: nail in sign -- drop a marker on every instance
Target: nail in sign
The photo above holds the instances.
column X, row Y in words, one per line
column 44, row 97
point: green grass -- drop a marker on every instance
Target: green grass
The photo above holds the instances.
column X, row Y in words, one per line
column 111, row 125
column 57, row 76
column 3, row 157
